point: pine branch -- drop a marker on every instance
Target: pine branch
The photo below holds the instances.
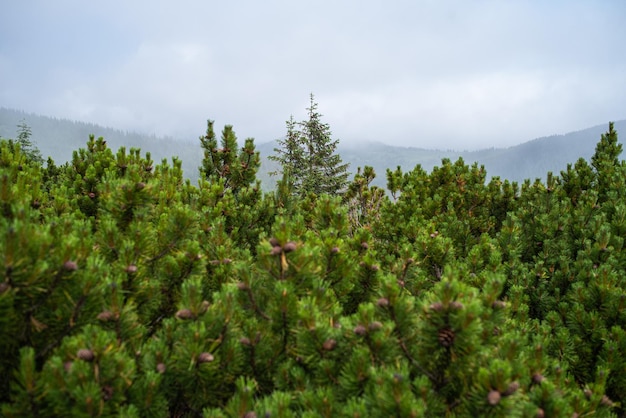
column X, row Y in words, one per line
column 255, row 306
column 403, row 346
column 68, row 329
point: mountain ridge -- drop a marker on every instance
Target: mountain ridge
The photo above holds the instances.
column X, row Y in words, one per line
column 58, row 138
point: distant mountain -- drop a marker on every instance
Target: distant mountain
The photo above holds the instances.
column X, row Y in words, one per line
column 57, row 138
column 552, row 153
column 529, row 160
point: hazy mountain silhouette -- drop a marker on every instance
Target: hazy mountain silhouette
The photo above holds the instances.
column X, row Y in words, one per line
column 58, row 138
column 529, row 160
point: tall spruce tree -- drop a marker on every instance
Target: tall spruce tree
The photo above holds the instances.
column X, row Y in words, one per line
column 308, row 156
column 24, row 133
column 27, row 147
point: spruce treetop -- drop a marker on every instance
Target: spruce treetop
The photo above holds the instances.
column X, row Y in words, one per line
column 308, row 156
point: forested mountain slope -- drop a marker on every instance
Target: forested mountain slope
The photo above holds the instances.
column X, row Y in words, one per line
column 528, row 160
column 58, row 137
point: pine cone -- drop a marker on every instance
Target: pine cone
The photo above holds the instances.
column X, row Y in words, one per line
column 360, row 330
column 184, row 314
column 498, row 304
column 606, row 401
column 106, row 316
column 446, row 337
column 274, row 242
column 85, row 354
column 537, row 378
column 493, row 397
column 436, row 306
column 329, row 344
column 375, row 325
column 456, row 305
column 289, row 247
column 161, row 368
column 513, row 386
column 205, row 357
column 70, row 265
column 107, row 393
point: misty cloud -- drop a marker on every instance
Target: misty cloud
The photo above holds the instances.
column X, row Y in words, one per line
column 445, row 74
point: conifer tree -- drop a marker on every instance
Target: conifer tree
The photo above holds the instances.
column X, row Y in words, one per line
column 24, row 134
column 308, row 156
column 26, row 145
column 457, row 298
column 364, row 201
column 229, row 193
column 291, row 156
column 236, row 167
column 605, row 160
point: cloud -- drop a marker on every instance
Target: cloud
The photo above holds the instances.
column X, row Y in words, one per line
column 447, row 74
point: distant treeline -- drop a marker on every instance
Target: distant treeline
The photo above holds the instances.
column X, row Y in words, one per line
column 56, row 138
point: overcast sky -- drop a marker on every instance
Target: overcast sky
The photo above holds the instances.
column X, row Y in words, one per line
column 438, row 74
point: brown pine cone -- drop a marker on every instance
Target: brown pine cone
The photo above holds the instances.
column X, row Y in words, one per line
column 184, row 314
column 329, row 344
column 446, row 337
column 205, row 357
column 106, row 316
column 85, row 354
column 360, row 330
column 493, row 397
column 70, row 265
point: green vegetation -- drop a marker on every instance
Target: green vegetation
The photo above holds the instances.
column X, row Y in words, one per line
column 307, row 157
column 128, row 291
column 57, row 138
column 23, row 141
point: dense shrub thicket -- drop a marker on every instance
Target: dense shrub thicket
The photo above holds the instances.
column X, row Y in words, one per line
column 128, row 291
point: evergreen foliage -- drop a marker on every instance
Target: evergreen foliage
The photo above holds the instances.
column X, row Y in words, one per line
column 24, row 134
column 236, row 167
column 128, row 291
column 23, row 140
column 308, row 156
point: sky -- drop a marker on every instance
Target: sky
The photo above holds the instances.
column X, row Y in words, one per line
column 440, row 74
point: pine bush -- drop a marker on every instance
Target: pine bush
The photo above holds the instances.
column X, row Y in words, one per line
column 128, row 291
